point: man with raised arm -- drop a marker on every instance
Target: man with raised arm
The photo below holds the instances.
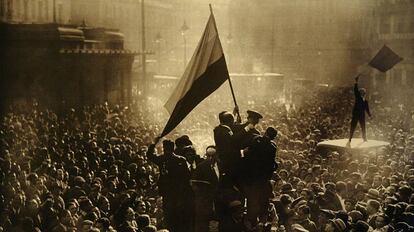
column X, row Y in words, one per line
column 358, row 113
column 174, row 187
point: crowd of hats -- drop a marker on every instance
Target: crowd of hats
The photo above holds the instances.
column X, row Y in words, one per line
column 86, row 170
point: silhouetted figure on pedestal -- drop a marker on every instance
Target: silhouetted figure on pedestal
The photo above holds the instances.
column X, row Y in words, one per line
column 358, row 113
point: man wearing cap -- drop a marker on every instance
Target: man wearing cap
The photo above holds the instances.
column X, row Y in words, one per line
column 248, row 129
column 372, row 194
column 360, row 226
column 324, row 216
column 373, row 207
column 303, row 217
column 174, row 187
column 335, row 225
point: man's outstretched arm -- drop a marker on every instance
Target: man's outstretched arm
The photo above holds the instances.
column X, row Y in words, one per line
column 356, row 89
column 151, row 155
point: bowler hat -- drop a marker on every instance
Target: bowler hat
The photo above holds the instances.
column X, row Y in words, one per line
column 356, row 215
column 287, row 188
column 338, row 224
column 328, row 213
column 373, row 194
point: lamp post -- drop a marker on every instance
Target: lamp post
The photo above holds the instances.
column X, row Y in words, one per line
column 321, row 71
column 158, row 39
column 184, row 28
column 143, row 50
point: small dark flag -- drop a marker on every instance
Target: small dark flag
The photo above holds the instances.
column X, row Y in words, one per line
column 385, row 59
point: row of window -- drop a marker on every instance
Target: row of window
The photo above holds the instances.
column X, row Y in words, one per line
column 396, row 24
column 396, row 78
column 30, row 10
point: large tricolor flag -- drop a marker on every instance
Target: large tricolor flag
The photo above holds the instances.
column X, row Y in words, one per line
column 206, row 71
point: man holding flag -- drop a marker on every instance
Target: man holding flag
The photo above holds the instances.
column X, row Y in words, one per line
column 383, row 61
column 205, row 73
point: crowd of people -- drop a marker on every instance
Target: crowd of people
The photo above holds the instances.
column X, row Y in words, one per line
column 83, row 170
column 97, row 169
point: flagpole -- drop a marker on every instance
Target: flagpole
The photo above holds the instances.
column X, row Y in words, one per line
column 228, row 77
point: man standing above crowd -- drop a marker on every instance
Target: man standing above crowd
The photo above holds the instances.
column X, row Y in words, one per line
column 253, row 119
column 260, row 163
column 358, row 113
column 174, row 187
column 232, row 138
column 226, row 140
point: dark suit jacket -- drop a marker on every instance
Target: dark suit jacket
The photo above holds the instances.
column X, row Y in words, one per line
column 226, row 141
column 260, row 159
column 361, row 105
column 205, row 172
column 205, row 185
column 174, row 179
column 194, row 160
column 245, row 139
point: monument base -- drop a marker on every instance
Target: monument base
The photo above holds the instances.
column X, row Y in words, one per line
column 357, row 144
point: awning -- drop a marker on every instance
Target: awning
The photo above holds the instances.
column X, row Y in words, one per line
column 114, row 36
column 70, row 34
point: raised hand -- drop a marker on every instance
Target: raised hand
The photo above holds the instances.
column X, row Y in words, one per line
column 157, row 139
column 236, row 109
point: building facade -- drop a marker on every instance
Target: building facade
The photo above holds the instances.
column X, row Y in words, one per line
column 395, row 28
column 61, row 66
column 35, row 11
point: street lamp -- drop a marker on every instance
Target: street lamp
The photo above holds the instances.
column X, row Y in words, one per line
column 320, row 66
column 158, row 39
column 143, row 49
column 184, row 28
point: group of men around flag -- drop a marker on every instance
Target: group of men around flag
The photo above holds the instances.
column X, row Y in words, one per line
column 231, row 188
